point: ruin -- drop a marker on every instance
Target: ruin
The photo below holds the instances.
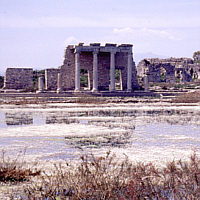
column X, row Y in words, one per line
column 169, row 70
column 100, row 64
column 18, row 79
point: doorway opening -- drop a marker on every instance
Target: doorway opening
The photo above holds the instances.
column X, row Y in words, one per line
column 84, row 79
column 118, row 79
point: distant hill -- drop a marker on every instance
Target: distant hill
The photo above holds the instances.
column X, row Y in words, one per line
column 140, row 56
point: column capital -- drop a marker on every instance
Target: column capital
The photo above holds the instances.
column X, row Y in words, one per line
column 96, row 51
column 130, row 53
column 113, row 51
column 76, row 50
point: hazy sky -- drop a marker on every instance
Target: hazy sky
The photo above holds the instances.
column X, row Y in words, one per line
column 34, row 33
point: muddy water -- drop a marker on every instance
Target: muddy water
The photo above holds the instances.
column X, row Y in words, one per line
column 154, row 132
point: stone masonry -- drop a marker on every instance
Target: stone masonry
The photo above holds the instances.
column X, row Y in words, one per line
column 100, row 63
column 183, row 69
column 51, row 78
column 19, row 78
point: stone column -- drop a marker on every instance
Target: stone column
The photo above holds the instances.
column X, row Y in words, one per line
column 77, row 71
column 89, row 84
column 112, row 71
column 129, row 72
column 95, row 71
column 40, row 85
column 59, row 84
column 146, row 83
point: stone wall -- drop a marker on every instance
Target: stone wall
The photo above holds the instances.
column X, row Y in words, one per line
column 51, row 79
column 173, row 68
column 19, row 79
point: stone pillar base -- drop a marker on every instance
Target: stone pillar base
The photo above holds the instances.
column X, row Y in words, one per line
column 77, row 90
column 95, row 90
column 59, row 91
column 129, row 90
column 40, row 91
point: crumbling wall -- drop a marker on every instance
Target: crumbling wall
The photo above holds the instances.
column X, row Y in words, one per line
column 51, row 79
column 19, row 79
column 175, row 68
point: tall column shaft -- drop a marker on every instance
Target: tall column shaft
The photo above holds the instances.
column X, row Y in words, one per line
column 129, row 72
column 59, row 84
column 40, row 85
column 77, row 71
column 95, row 72
column 112, row 71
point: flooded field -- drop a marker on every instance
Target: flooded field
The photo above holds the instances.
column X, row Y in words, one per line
column 144, row 132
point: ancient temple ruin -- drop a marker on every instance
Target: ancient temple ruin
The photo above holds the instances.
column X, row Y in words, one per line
column 100, row 64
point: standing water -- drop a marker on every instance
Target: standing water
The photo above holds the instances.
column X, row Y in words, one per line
column 63, row 131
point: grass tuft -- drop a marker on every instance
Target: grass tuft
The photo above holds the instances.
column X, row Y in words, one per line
column 13, row 171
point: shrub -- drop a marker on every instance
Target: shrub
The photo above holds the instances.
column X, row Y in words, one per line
column 107, row 178
column 14, row 170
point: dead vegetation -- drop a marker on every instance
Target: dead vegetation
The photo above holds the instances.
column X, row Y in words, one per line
column 14, row 171
column 106, row 177
column 191, row 97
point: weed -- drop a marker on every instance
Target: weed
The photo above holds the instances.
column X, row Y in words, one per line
column 15, row 170
column 192, row 97
column 106, row 177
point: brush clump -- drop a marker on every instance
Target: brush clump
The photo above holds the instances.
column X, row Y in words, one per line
column 107, row 177
column 15, row 170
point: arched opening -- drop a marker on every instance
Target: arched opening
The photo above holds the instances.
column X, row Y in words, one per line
column 162, row 74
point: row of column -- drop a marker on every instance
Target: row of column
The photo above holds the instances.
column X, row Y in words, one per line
column 95, row 71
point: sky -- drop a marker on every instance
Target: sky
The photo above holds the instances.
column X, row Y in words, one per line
column 35, row 33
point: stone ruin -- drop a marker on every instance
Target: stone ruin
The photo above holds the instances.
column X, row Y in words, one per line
column 169, row 70
column 18, row 79
column 100, row 64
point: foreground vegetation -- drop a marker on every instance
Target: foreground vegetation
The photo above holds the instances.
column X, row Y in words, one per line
column 106, row 177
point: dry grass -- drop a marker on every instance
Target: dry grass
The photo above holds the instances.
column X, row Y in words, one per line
column 14, row 171
column 108, row 178
column 192, row 97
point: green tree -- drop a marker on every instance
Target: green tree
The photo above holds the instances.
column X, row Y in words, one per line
column 1, row 81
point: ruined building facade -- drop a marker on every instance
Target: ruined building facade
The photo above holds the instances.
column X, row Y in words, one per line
column 100, row 63
column 169, row 70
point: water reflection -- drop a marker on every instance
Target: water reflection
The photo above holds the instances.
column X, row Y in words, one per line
column 126, row 117
column 55, row 132
column 16, row 119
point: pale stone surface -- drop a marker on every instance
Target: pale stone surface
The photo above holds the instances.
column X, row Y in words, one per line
column 95, row 71
column 77, row 72
column 59, row 85
column 40, row 85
